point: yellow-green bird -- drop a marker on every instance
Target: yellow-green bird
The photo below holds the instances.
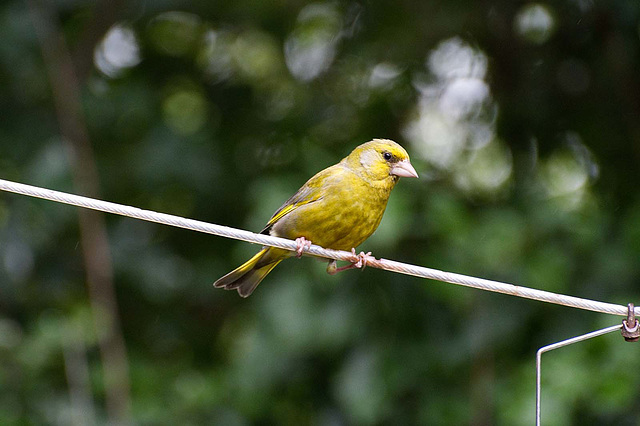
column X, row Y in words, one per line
column 338, row 208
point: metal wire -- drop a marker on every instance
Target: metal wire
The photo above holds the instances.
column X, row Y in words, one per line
column 314, row 250
column 559, row 345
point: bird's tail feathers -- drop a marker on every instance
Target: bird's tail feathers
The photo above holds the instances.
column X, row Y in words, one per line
column 246, row 277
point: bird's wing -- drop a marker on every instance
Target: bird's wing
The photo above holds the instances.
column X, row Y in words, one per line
column 310, row 192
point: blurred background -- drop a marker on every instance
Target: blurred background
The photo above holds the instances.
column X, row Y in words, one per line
column 522, row 118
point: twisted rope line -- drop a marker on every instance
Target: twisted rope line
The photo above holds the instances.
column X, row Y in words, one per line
column 314, row 250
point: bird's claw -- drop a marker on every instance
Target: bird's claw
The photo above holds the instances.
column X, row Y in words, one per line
column 302, row 244
column 357, row 261
column 360, row 260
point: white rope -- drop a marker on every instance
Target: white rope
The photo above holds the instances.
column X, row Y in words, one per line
column 389, row 265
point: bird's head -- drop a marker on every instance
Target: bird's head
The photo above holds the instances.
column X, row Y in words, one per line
column 381, row 159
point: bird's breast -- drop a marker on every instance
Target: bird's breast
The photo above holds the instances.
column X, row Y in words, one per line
column 342, row 218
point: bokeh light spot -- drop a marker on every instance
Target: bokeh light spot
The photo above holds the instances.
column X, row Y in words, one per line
column 488, row 169
column 455, row 114
column 215, row 55
column 453, row 58
column 383, row 75
column 257, row 56
column 437, row 140
column 185, row 111
column 566, row 174
column 175, row 33
column 463, row 96
column 563, row 175
column 535, row 23
column 311, row 47
column 117, row 51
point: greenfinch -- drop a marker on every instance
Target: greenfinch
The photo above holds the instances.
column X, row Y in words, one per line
column 338, row 208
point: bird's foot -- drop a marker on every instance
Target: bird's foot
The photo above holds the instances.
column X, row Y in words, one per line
column 302, row 244
column 358, row 261
column 361, row 259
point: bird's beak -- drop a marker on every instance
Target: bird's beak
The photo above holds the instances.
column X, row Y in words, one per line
column 404, row 169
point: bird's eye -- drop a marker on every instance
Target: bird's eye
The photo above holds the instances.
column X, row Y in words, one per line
column 387, row 155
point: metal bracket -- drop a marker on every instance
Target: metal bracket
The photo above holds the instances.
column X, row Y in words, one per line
column 559, row 345
column 631, row 326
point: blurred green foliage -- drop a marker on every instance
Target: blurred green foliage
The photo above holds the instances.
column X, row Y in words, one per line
column 521, row 118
